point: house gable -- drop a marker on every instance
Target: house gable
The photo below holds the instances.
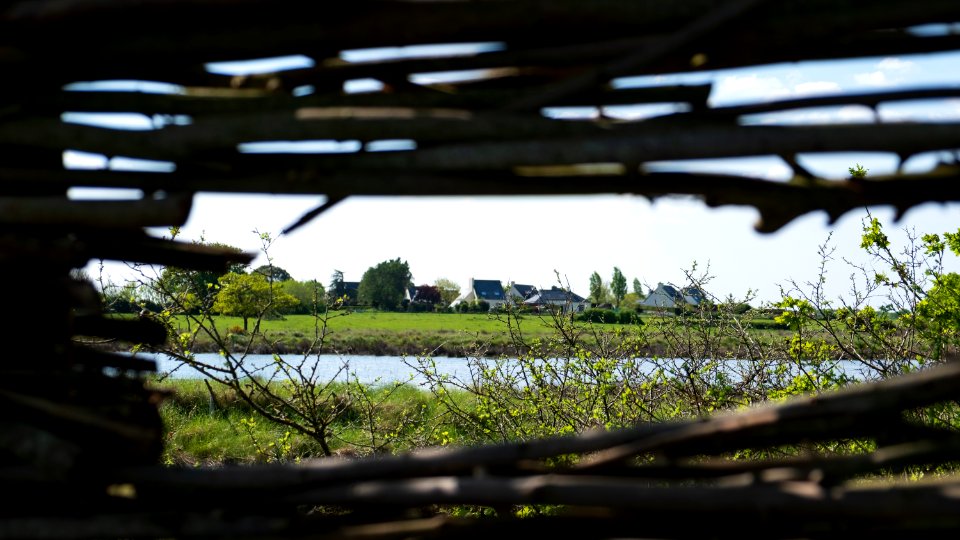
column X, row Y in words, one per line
column 556, row 296
column 669, row 297
column 488, row 289
column 521, row 292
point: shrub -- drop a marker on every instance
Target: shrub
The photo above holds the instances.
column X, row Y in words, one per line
column 474, row 307
column 419, row 307
column 629, row 317
column 602, row 316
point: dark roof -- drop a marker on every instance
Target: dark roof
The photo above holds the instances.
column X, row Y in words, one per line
column 554, row 295
column 524, row 290
column 669, row 296
column 488, row 289
column 693, row 295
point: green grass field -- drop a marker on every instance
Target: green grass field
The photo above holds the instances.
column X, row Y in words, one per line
column 393, row 322
column 391, row 333
column 384, row 333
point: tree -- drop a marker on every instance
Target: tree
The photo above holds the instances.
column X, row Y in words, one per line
column 310, row 294
column 193, row 290
column 940, row 313
column 638, row 288
column 597, row 290
column 273, row 273
column 428, row 294
column 382, row 286
column 618, row 286
column 449, row 290
column 337, row 290
column 250, row 295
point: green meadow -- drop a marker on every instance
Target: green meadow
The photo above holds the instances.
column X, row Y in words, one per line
column 378, row 333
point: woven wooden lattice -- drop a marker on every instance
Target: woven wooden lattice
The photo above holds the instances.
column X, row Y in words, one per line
column 79, row 444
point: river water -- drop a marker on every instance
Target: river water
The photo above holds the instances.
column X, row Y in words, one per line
column 388, row 369
column 366, row 369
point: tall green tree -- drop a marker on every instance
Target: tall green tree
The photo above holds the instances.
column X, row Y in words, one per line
column 250, row 296
column 597, row 293
column 273, row 273
column 382, row 285
column 309, row 294
column 337, row 289
column 618, row 286
column 638, row 288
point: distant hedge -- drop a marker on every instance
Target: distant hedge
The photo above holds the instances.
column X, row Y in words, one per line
column 609, row 316
column 474, row 307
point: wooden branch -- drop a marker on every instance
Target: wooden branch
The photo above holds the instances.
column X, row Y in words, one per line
column 564, row 55
column 82, row 418
column 154, row 482
column 225, row 133
column 634, row 144
column 172, row 210
column 805, row 499
column 149, row 250
column 76, row 249
column 310, row 215
column 698, row 28
column 141, row 330
column 827, row 471
column 48, row 455
column 98, row 360
column 554, row 142
column 197, row 103
column 778, row 202
column 822, row 29
column 863, row 410
column 869, row 99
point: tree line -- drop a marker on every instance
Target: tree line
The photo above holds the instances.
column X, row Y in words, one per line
column 270, row 290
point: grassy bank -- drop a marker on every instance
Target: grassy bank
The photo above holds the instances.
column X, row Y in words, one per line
column 436, row 334
column 211, row 425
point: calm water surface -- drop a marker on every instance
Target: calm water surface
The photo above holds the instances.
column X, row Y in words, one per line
column 385, row 369
column 368, row 369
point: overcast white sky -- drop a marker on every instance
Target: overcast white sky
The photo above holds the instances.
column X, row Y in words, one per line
column 526, row 239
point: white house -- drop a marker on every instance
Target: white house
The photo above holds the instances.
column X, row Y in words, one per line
column 518, row 293
column 670, row 297
column 489, row 290
column 557, row 298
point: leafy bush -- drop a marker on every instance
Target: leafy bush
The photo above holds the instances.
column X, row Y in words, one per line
column 768, row 324
column 629, row 317
column 601, row 316
column 474, row 307
column 419, row 307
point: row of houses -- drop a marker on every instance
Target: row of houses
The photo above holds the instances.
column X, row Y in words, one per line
column 664, row 297
column 496, row 295
column 492, row 291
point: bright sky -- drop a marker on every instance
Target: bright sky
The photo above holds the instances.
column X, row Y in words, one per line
column 526, row 239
